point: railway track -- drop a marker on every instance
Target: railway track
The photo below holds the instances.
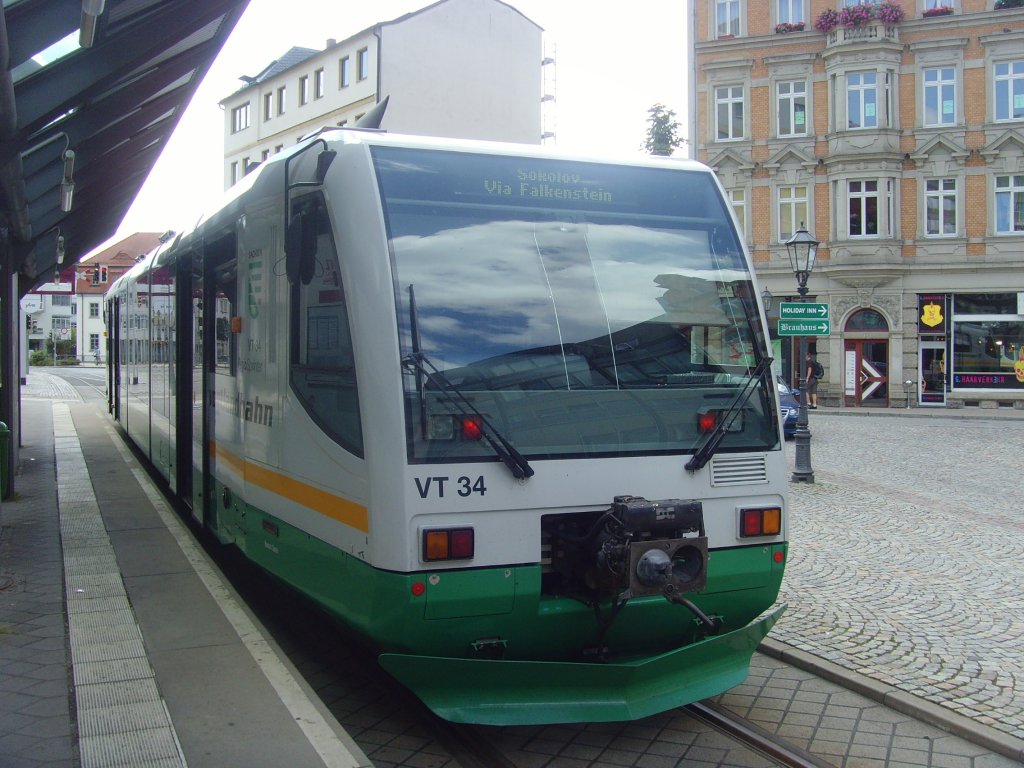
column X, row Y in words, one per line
column 754, row 737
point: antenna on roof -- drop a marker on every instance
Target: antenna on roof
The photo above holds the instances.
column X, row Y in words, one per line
column 372, row 118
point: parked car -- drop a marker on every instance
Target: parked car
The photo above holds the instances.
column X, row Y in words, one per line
column 789, row 406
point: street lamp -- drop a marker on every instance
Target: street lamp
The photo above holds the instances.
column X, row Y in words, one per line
column 802, row 248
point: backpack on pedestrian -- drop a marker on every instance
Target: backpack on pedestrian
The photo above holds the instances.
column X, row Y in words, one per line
column 819, row 370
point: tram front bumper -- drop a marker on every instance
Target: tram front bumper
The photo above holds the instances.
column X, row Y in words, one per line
column 491, row 692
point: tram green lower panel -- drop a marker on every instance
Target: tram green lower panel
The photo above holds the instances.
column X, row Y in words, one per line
column 491, row 692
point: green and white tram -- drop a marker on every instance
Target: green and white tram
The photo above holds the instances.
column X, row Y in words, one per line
column 506, row 413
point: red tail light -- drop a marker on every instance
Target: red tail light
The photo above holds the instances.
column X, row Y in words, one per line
column 762, row 521
column 448, row 544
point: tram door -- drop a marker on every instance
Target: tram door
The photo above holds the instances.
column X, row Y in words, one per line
column 197, row 388
column 182, row 380
column 866, row 369
column 114, row 358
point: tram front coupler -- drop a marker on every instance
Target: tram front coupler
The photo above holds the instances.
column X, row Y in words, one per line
column 666, row 544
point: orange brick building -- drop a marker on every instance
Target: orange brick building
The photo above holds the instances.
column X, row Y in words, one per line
column 895, row 132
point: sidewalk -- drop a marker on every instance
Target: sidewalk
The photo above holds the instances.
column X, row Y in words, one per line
column 160, row 665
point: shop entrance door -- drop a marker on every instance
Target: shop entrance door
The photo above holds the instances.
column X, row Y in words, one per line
column 932, row 378
column 866, row 369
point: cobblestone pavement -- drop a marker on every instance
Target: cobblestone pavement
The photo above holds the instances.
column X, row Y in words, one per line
column 907, row 558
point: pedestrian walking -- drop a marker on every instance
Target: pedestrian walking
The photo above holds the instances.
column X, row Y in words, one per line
column 815, row 371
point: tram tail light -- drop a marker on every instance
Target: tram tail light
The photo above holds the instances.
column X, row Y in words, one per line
column 448, row 544
column 761, row 521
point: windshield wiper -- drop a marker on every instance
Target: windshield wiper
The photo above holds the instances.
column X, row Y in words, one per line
column 714, row 439
column 513, row 459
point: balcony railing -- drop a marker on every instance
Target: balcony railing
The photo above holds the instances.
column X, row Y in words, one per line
column 869, row 33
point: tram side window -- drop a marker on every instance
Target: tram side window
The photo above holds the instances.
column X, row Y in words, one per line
column 226, row 351
column 323, row 373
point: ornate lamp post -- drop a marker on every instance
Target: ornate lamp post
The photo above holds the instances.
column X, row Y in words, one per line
column 802, row 248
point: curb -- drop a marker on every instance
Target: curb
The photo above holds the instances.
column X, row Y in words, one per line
column 907, row 703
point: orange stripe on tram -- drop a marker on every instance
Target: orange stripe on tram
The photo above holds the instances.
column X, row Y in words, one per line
column 335, row 507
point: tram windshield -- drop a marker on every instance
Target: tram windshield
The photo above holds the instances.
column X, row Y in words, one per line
column 578, row 309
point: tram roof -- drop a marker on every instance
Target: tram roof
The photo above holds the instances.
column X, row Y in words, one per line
column 114, row 102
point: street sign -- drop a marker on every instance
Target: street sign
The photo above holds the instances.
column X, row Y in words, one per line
column 805, row 327
column 794, row 310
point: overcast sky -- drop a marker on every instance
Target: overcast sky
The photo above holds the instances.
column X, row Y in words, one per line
column 614, row 60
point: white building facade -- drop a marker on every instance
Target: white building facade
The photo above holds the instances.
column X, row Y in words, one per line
column 458, row 68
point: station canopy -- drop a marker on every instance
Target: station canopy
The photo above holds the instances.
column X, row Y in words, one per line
column 90, row 92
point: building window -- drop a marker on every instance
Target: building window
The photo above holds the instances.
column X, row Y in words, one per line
column 278, row 148
column 362, row 64
column 234, row 174
column 729, row 112
column 863, row 202
column 344, row 72
column 94, row 309
column 792, row 210
column 862, row 100
column 318, row 84
column 939, row 96
column 940, row 207
column 282, row 92
column 94, row 342
column 727, row 18
column 738, row 199
column 303, row 90
column 268, row 106
column 791, row 12
column 60, row 323
column 1010, row 90
column 1009, row 204
column 792, row 107
column 61, row 300
column 240, row 118
column 264, row 155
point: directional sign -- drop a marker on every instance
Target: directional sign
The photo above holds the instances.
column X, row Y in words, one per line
column 792, row 310
column 805, row 327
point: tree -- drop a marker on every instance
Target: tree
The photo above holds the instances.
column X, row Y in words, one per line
column 662, row 131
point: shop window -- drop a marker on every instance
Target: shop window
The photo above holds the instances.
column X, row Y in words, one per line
column 985, row 304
